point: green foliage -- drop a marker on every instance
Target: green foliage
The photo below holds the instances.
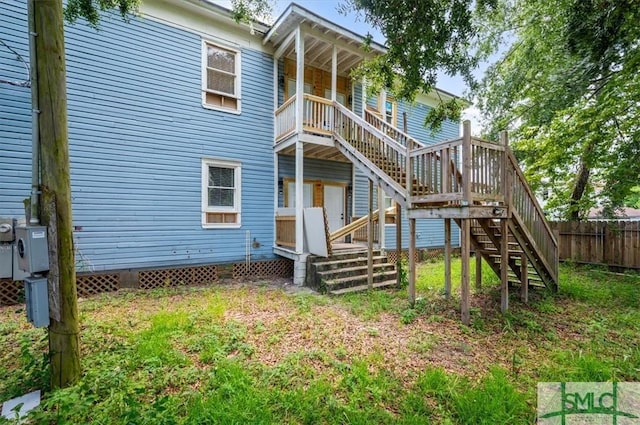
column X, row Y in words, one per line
column 91, row 9
column 493, row 400
column 249, row 11
column 567, row 87
column 422, row 39
column 179, row 357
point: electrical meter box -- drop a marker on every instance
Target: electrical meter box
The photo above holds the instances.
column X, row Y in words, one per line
column 33, row 251
column 37, row 301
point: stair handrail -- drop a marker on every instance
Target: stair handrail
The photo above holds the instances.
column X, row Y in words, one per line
column 385, row 125
column 367, row 126
column 545, row 241
column 358, row 224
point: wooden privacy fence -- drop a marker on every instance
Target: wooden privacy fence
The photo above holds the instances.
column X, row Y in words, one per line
column 607, row 242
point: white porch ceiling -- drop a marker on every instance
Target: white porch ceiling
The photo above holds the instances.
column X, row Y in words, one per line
column 319, row 39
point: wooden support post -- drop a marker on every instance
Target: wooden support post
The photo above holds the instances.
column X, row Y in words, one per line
column 447, row 258
column 299, row 198
column 412, row 261
column 504, row 265
column 478, row 270
column 524, row 271
column 370, row 239
column 381, row 221
column 464, row 258
column 398, row 242
column 466, row 162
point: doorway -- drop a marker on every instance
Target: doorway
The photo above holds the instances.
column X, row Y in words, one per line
column 334, row 204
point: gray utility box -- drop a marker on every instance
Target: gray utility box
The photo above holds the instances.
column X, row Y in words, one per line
column 33, row 251
column 37, row 301
column 6, row 247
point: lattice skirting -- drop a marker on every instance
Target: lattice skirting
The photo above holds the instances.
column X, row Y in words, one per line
column 90, row 284
column 11, row 292
column 425, row 254
column 273, row 268
column 201, row 275
column 97, row 283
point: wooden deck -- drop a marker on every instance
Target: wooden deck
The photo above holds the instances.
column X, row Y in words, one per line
column 466, row 179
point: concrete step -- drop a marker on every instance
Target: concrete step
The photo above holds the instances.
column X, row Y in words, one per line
column 343, row 255
column 362, row 288
column 322, row 266
column 354, row 270
column 359, row 280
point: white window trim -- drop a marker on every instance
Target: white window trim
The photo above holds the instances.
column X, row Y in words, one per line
column 238, row 82
column 237, row 209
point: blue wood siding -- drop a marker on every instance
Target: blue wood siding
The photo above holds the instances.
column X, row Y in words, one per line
column 137, row 135
column 357, row 99
column 15, row 117
column 429, row 233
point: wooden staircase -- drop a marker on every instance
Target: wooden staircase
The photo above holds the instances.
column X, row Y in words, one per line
column 475, row 182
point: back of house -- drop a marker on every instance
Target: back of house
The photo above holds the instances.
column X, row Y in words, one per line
column 188, row 147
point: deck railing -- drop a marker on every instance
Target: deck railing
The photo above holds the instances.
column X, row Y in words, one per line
column 318, row 115
column 527, row 211
column 285, row 119
column 355, row 228
column 391, row 131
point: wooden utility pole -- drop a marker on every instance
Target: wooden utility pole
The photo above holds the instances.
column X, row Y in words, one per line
column 47, row 33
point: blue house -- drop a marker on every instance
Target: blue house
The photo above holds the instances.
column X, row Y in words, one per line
column 200, row 148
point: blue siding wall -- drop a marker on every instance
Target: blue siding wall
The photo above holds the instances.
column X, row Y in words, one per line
column 357, row 99
column 15, row 117
column 429, row 233
column 138, row 133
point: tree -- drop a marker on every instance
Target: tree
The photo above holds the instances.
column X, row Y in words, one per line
column 46, row 19
column 568, row 88
column 424, row 37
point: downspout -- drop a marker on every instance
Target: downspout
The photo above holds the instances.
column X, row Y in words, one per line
column 35, row 124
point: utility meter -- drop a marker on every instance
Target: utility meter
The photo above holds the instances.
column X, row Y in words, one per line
column 33, row 251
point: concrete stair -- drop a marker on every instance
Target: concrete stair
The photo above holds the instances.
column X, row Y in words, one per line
column 344, row 273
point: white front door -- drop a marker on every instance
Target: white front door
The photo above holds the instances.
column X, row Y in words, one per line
column 334, row 204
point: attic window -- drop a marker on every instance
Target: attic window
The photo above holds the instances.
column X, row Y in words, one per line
column 220, row 77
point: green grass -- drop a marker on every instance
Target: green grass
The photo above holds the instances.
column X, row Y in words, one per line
column 237, row 355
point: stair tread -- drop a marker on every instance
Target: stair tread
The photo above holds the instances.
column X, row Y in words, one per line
column 347, row 260
column 360, row 288
column 342, row 280
column 355, row 268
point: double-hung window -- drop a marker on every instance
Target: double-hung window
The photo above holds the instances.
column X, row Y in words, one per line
column 220, row 77
column 221, row 196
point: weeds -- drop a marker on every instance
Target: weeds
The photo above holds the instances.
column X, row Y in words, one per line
column 200, row 357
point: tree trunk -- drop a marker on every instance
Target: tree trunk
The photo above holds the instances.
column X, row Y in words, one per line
column 581, row 183
column 56, row 189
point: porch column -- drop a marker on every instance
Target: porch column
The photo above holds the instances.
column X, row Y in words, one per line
column 383, row 104
column 299, row 267
column 299, row 79
column 334, row 73
column 300, row 264
column 381, row 220
column 299, row 199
